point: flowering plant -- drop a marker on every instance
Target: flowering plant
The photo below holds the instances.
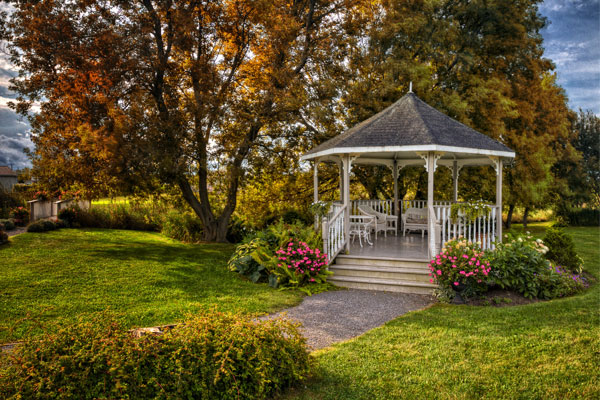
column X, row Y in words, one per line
column 20, row 215
column 41, row 195
column 470, row 210
column 320, row 208
column 299, row 265
column 460, row 265
column 69, row 194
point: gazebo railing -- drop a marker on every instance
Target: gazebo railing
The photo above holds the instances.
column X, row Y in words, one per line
column 382, row 206
column 334, row 235
column 482, row 229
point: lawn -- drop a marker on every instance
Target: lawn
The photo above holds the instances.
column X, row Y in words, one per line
column 56, row 277
column 543, row 350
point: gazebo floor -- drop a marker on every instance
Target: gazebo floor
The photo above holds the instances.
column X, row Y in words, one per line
column 409, row 247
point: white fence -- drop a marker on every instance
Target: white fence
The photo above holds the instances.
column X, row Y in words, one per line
column 334, row 234
column 40, row 209
column 482, row 230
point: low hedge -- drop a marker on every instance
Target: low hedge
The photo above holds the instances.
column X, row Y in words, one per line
column 583, row 217
column 7, row 224
column 214, row 356
column 45, row 225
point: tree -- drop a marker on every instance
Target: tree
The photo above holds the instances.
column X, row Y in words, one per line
column 134, row 94
column 587, row 127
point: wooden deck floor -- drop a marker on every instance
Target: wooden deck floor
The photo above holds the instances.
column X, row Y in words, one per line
column 411, row 246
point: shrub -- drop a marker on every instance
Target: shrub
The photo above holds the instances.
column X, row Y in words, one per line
column 43, row 225
column 561, row 250
column 7, row 224
column 8, row 201
column 461, row 266
column 215, row 356
column 257, row 257
column 578, row 216
column 69, row 215
column 299, row 265
column 3, row 237
column 20, row 215
column 184, row 226
column 519, row 264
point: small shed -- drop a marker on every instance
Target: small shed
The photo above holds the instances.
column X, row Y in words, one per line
column 8, row 178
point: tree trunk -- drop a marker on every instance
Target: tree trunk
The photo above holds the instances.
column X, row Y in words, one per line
column 511, row 209
column 525, row 215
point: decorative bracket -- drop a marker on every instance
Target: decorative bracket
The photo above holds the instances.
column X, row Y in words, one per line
column 398, row 168
column 425, row 156
column 495, row 164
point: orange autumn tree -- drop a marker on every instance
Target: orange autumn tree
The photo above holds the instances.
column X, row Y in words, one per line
column 139, row 93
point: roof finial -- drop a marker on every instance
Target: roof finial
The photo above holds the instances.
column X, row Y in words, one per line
column 410, row 87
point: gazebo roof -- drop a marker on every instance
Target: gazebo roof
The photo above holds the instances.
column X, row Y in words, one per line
column 407, row 127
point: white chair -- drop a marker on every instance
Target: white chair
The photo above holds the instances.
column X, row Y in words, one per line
column 414, row 219
column 383, row 222
column 361, row 226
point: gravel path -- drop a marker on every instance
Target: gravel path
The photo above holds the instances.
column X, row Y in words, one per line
column 17, row 231
column 335, row 316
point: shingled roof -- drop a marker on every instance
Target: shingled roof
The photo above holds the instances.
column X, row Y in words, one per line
column 410, row 124
column 7, row 171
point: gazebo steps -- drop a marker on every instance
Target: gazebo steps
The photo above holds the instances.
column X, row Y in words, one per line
column 383, row 274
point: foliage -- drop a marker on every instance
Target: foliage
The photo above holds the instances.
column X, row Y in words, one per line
column 259, row 255
column 460, row 265
column 470, row 211
column 580, row 216
column 144, row 277
column 120, row 216
column 43, row 195
column 519, row 264
column 3, row 237
column 20, row 215
column 588, row 143
column 212, row 356
column 69, row 215
column 249, row 259
column 43, row 225
column 7, row 224
column 150, row 103
column 561, row 250
column 8, row 201
column 182, row 225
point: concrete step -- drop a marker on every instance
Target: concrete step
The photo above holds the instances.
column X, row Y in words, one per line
column 381, row 261
column 374, row 271
column 379, row 284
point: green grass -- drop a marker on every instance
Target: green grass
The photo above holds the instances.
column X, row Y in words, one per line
column 546, row 350
column 146, row 278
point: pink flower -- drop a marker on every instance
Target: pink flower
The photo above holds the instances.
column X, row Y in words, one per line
column 465, row 256
column 462, row 272
column 455, row 283
column 431, row 280
column 453, row 266
column 439, row 271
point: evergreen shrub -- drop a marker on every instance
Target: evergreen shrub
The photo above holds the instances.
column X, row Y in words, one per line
column 214, row 356
column 561, row 250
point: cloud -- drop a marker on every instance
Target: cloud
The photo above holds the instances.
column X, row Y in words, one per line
column 571, row 42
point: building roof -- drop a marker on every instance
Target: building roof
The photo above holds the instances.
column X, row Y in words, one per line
column 7, row 171
column 410, row 125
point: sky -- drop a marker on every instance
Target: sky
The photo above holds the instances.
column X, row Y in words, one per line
column 571, row 41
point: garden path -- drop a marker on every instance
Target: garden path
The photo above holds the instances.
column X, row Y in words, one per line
column 17, row 231
column 339, row 315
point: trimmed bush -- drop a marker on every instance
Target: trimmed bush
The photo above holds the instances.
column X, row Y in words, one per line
column 215, row 356
column 3, row 237
column 43, row 225
column 20, row 215
column 561, row 250
column 69, row 215
column 7, row 224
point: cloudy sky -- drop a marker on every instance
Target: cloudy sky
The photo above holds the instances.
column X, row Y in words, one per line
column 571, row 40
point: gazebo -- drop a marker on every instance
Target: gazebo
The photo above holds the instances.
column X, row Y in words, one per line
column 409, row 133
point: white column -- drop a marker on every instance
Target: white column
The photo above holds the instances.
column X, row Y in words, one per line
column 430, row 214
column 316, row 188
column 395, row 176
column 341, row 168
column 455, row 180
column 499, row 199
column 346, row 167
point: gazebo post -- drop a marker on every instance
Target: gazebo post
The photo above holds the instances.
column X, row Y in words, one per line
column 499, row 199
column 430, row 211
column 346, row 168
column 455, row 180
column 395, row 176
column 316, row 188
column 341, row 168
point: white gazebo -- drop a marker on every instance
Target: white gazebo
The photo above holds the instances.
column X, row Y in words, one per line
column 409, row 133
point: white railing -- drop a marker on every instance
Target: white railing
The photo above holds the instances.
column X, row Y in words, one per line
column 406, row 204
column 482, row 230
column 382, row 206
column 334, row 233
